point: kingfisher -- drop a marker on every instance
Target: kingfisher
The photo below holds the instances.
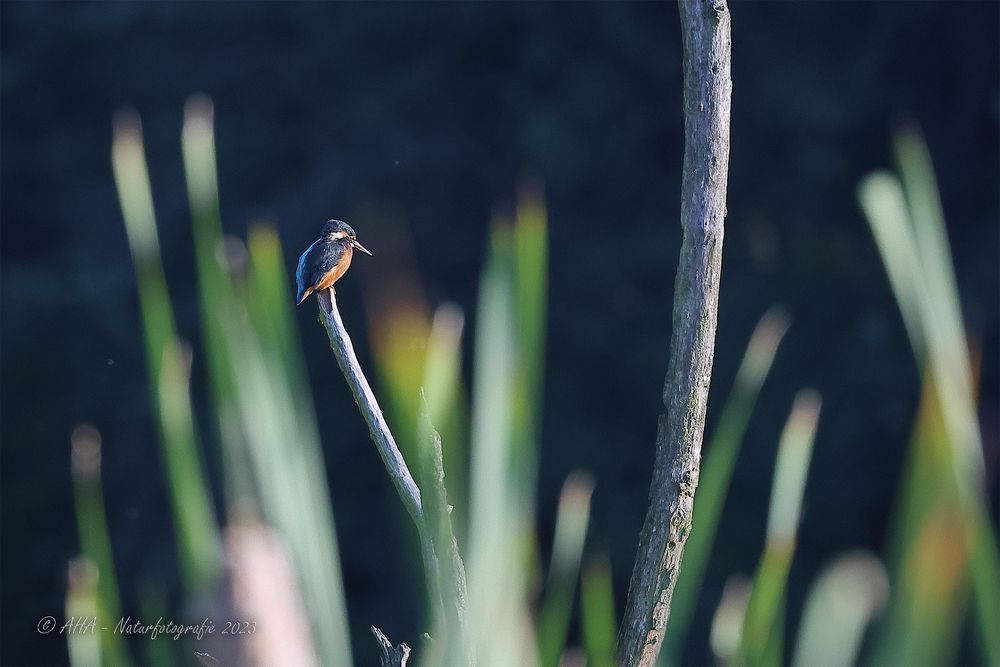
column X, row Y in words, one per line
column 327, row 259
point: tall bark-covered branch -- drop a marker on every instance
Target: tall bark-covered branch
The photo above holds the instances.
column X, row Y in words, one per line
column 707, row 90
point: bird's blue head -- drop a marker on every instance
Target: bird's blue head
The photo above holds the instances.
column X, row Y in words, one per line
column 338, row 230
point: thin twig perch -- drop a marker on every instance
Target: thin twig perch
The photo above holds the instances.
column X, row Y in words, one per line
column 399, row 473
column 343, row 349
column 435, row 531
column 707, row 91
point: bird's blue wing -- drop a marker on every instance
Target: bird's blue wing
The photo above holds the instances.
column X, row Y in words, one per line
column 301, row 279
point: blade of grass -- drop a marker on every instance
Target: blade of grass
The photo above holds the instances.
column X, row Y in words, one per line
column 197, row 537
column 215, row 289
column 153, row 604
column 727, row 623
column 941, row 313
column 95, row 540
column 927, row 568
column 499, row 529
column 841, row 603
column 909, row 216
column 84, row 647
column 271, row 308
column 924, row 625
column 261, row 396
column 597, row 612
column 508, row 353
column 954, row 378
column 985, row 581
column 882, row 199
column 716, row 473
column 288, row 466
column 572, row 520
column 491, row 577
column 762, row 635
column 531, row 297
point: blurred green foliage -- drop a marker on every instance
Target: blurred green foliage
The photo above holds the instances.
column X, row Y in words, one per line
column 763, row 633
column 168, row 371
column 92, row 589
column 263, row 408
column 944, row 542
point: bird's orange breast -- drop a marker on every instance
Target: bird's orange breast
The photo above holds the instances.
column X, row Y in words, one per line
column 334, row 274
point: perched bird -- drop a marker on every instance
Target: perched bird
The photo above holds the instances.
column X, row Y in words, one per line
column 326, row 259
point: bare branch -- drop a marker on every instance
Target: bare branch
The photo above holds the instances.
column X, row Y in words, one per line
column 707, row 91
column 395, row 465
column 434, row 523
column 343, row 349
column 392, row 656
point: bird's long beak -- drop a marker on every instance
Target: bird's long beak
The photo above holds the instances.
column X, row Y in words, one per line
column 361, row 248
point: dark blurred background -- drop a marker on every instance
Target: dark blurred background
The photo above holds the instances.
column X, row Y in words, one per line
column 430, row 114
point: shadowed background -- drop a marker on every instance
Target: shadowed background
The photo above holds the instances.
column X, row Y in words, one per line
column 416, row 122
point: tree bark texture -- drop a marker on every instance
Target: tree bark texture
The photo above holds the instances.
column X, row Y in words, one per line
column 705, row 25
